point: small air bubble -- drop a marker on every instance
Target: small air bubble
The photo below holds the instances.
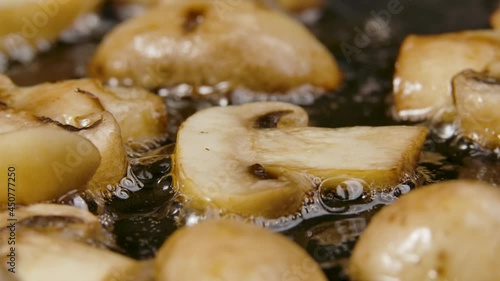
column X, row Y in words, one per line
column 113, row 82
column 121, row 193
column 223, row 102
column 166, row 183
column 80, row 203
column 24, row 53
column 445, row 131
column 144, row 175
column 223, row 87
column 162, row 92
column 192, row 219
column 205, row 90
column 342, row 189
column 401, row 189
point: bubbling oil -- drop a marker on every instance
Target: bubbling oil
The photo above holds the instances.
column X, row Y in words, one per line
column 145, row 208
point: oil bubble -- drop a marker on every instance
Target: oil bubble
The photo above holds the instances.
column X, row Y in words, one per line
column 342, row 189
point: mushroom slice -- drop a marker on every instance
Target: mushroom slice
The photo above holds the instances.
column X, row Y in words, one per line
column 29, row 26
column 445, row 231
column 62, row 102
column 105, row 134
column 495, row 19
column 41, row 257
column 103, row 131
column 259, row 159
column 141, row 114
column 210, row 247
column 80, row 105
column 65, row 235
column 177, row 43
column 427, row 64
column 44, row 161
column 477, row 100
column 62, row 220
column 11, row 120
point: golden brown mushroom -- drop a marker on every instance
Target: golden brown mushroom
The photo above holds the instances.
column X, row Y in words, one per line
column 263, row 158
column 29, row 26
column 444, row 231
column 193, row 42
column 427, row 64
column 229, row 250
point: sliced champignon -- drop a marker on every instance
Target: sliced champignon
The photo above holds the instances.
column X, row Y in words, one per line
column 226, row 157
column 65, row 222
column 426, row 65
column 29, row 26
column 57, row 242
column 446, row 231
column 104, row 133
column 12, row 120
column 48, row 161
column 62, row 102
column 43, row 257
column 495, row 19
column 196, row 43
column 106, row 136
column 477, row 103
column 140, row 114
column 230, row 250
column 82, row 106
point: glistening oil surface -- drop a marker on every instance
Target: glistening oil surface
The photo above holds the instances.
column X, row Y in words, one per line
column 330, row 224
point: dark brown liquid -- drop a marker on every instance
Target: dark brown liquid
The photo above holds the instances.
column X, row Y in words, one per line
column 330, row 223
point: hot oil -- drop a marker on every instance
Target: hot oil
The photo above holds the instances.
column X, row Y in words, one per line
column 145, row 208
column 143, row 216
column 328, row 225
